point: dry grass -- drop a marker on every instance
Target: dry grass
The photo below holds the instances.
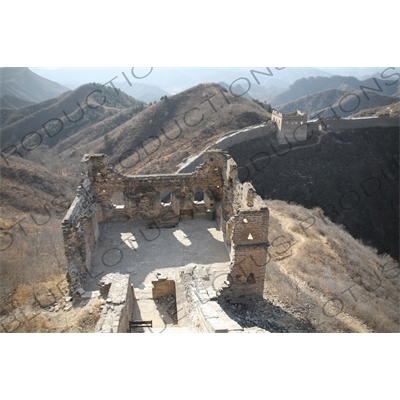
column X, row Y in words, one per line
column 392, row 110
column 88, row 317
column 36, row 255
column 322, row 264
column 31, row 309
column 33, row 284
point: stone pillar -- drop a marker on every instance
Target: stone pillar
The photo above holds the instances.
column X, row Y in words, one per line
column 249, row 254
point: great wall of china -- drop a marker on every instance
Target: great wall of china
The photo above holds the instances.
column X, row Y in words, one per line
column 116, row 217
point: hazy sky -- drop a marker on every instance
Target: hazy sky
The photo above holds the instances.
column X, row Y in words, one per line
column 173, row 79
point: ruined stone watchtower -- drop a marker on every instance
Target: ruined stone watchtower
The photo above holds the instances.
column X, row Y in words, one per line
column 292, row 127
column 161, row 200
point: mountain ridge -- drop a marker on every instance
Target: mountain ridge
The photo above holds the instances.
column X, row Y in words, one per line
column 9, row 101
column 307, row 86
column 334, row 102
column 22, row 83
column 194, row 118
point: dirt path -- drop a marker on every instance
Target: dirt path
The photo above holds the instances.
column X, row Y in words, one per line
column 313, row 308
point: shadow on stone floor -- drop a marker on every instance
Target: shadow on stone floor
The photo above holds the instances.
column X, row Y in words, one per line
column 131, row 247
column 264, row 314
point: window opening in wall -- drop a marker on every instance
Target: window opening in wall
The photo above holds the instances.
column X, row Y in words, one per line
column 117, row 200
column 251, row 278
column 165, row 198
column 250, row 237
column 199, row 196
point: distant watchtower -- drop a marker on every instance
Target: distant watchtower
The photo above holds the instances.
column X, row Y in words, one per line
column 292, row 125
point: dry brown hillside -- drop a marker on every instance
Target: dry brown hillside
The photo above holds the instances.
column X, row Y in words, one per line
column 392, row 110
column 33, row 287
column 161, row 136
column 27, row 187
column 33, row 200
column 320, row 274
column 341, row 101
column 42, row 131
column 138, row 138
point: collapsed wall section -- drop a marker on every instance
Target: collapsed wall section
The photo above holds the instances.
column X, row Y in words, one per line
column 117, row 290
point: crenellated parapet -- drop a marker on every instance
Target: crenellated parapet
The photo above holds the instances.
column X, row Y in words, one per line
column 291, row 127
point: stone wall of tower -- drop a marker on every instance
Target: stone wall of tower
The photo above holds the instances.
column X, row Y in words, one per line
column 291, row 127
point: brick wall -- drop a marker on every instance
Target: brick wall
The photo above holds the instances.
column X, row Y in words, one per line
column 335, row 124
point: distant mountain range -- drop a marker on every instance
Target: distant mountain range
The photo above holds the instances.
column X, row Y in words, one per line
column 311, row 85
column 332, row 102
column 175, row 80
column 277, row 86
column 88, row 112
column 342, row 95
column 24, row 84
column 8, row 101
column 123, row 122
column 123, row 125
column 142, row 92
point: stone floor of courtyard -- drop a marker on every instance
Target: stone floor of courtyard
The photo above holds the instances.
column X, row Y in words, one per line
column 131, row 247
